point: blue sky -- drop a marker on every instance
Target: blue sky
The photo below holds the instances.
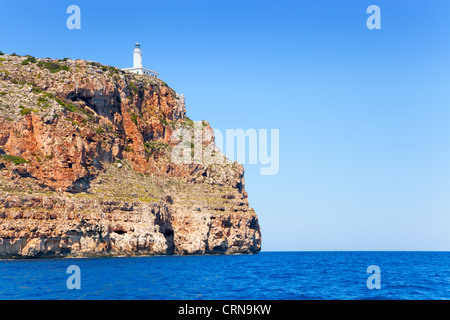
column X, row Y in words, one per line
column 363, row 114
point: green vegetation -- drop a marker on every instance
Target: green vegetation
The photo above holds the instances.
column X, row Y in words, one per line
column 164, row 121
column 21, row 81
column 36, row 89
column 134, row 118
column 155, row 146
column 189, row 122
column 29, row 60
column 133, row 87
column 52, row 66
column 49, row 95
column 73, row 122
column 173, row 124
column 99, row 130
column 95, row 64
column 25, row 111
column 71, row 108
column 3, row 93
column 1, row 53
column 13, row 159
column 4, row 73
column 113, row 71
column 68, row 106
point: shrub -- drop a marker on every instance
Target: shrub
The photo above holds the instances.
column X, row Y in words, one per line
column 73, row 122
column 164, row 121
column 113, row 71
column 13, row 159
column 71, row 108
column 155, row 146
column 134, row 118
column 25, row 111
column 49, row 95
column 36, row 90
column 29, row 60
column 133, row 87
column 67, row 106
column 189, row 122
column 99, row 130
column 53, row 66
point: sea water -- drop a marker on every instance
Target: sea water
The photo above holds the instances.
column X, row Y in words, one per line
column 267, row 275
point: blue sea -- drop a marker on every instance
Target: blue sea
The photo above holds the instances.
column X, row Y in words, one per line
column 265, row 276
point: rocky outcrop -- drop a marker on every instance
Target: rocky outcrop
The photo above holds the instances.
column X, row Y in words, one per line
column 35, row 226
column 86, row 168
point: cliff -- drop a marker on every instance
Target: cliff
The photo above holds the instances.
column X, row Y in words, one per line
column 86, row 168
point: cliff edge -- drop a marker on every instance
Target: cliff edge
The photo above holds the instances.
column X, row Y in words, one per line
column 86, row 168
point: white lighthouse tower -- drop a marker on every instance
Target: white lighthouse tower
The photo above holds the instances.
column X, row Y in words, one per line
column 137, row 56
column 137, row 64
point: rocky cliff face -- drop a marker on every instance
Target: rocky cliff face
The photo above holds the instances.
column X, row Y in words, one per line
column 86, row 168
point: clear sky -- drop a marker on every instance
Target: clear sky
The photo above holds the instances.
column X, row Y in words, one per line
column 363, row 114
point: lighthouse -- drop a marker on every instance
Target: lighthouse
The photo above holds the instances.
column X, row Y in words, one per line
column 138, row 67
column 137, row 56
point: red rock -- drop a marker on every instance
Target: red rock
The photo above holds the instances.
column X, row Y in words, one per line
column 80, row 151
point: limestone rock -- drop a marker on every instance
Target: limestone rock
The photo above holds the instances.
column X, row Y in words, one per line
column 86, row 170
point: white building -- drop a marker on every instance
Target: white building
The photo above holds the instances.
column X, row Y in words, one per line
column 137, row 64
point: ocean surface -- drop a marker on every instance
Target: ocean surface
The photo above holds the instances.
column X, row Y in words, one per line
column 268, row 275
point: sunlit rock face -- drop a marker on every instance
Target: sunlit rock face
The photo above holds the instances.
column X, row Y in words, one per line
column 86, row 168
